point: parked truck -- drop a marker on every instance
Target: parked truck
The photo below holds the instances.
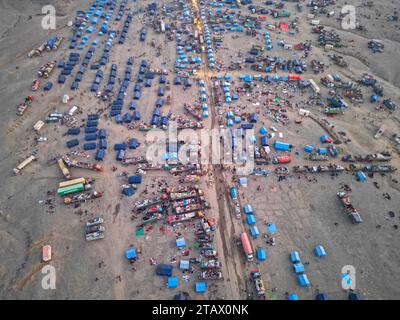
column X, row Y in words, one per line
column 248, row 250
column 64, row 169
column 23, row 164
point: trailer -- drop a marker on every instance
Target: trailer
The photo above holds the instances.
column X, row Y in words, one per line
column 23, row 164
column 83, row 165
column 255, row 276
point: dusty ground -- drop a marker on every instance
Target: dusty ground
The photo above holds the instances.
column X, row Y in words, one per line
column 306, row 213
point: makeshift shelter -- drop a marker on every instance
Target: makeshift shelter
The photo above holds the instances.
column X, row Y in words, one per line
column 184, row 265
column 303, row 280
column 254, row 231
column 293, row 297
column 200, row 287
column 248, row 209
column 319, row 251
column 251, row 219
column 261, row 254
column 180, row 242
column 271, row 228
column 131, row 254
column 322, row 296
column 172, row 282
column 129, row 191
column 243, row 181
column 361, row 176
column 294, row 257
column 298, row 268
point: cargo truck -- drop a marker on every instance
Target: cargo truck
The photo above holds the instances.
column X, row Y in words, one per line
column 23, row 164
column 64, row 169
column 244, row 238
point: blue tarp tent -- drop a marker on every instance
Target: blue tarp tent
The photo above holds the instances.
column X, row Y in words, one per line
column 303, row 280
column 271, row 228
column 172, row 282
column 243, row 181
column 201, row 287
column 261, row 254
column 254, row 231
column 130, row 253
column 294, row 257
column 263, row 130
column 251, row 219
column 322, row 296
column 248, row 209
column 308, row 149
column 129, row 191
column 298, row 268
column 180, row 242
column 293, row 297
column 184, row 264
column 135, row 179
column 361, row 176
column 319, row 251
column 164, row 270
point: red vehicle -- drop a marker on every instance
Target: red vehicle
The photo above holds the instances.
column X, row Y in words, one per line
column 281, row 159
column 35, row 85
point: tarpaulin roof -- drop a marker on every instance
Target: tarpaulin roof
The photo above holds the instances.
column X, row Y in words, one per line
column 319, row 251
column 271, row 228
column 172, row 282
column 261, row 254
column 130, row 253
column 298, row 267
column 303, row 280
column 254, row 231
column 294, row 256
column 184, row 264
column 251, row 219
column 248, row 209
column 201, row 287
column 180, row 242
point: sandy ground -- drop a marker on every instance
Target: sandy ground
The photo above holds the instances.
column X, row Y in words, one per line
column 306, row 213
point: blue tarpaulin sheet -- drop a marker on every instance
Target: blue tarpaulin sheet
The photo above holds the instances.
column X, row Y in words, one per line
column 172, row 282
column 254, row 232
column 319, row 251
column 261, row 254
column 184, row 265
column 251, row 219
column 130, row 253
column 294, row 257
column 248, row 209
column 201, row 287
column 303, row 280
column 271, row 228
column 298, row 268
column 180, row 242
